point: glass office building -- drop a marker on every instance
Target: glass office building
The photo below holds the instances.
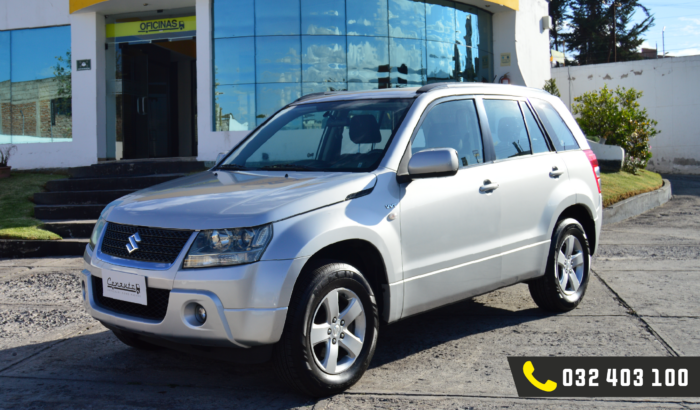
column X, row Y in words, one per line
column 268, row 53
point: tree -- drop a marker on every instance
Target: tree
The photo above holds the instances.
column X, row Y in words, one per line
column 551, row 87
column 557, row 11
column 602, row 30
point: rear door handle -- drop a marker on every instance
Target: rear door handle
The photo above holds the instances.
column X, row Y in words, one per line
column 488, row 187
column 556, row 173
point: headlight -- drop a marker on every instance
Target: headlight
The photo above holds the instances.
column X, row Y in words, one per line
column 222, row 247
column 96, row 232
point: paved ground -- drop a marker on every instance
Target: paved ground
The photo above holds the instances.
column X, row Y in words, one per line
column 642, row 301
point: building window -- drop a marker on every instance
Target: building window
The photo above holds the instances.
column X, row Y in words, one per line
column 267, row 53
column 35, row 86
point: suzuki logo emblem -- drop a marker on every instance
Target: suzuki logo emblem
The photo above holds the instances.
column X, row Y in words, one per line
column 133, row 242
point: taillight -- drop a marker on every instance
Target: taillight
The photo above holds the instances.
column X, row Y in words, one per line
column 594, row 164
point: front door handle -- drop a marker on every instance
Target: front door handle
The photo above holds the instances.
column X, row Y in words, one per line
column 556, row 173
column 488, row 187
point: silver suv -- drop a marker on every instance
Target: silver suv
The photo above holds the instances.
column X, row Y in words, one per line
column 345, row 212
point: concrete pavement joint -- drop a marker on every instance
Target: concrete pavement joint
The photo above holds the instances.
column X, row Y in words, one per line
column 632, row 312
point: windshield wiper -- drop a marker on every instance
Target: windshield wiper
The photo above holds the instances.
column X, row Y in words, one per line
column 288, row 167
column 231, row 167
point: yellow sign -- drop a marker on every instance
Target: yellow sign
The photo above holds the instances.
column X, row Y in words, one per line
column 152, row 29
column 505, row 59
column 76, row 5
column 511, row 4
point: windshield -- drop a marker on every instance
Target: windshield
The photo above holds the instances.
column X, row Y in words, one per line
column 333, row 136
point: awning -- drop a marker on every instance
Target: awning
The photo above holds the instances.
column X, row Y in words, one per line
column 76, row 5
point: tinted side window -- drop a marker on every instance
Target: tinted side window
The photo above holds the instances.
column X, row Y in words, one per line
column 452, row 124
column 507, row 128
column 539, row 143
column 557, row 129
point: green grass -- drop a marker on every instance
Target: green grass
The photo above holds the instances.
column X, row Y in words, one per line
column 619, row 186
column 16, row 208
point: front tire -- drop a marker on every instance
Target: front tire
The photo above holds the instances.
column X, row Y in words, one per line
column 330, row 333
column 565, row 281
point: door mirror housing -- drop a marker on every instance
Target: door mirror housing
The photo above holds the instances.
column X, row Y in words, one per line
column 431, row 163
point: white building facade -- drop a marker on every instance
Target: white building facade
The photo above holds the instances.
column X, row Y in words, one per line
column 83, row 81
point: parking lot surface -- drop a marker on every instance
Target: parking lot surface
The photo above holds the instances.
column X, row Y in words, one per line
column 642, row 300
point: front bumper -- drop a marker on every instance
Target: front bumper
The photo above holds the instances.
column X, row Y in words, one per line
column 246, row 305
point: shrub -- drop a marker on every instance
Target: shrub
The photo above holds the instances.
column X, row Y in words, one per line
column 551, row 87
column 617, row 117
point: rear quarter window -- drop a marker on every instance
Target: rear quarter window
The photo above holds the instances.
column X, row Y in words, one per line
column 562, row 137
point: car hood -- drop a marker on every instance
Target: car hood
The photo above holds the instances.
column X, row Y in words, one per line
column 225, row 199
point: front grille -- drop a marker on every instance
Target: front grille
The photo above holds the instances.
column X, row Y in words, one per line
column 157, row 245
column 157, row 302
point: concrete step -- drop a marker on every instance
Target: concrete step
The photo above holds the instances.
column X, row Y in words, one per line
column 74, row 212
column 134, row 168
column 79, row 197
column 10, row 248
column 71, row 229
column 104, row 184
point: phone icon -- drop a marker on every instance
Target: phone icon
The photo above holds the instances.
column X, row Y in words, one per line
column 548, row 386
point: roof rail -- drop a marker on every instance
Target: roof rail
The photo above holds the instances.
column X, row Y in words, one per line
column 315, row 95
column 431, row 87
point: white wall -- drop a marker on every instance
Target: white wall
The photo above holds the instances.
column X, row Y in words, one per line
column 521, row 34
column 671, row 90
column 18, row 14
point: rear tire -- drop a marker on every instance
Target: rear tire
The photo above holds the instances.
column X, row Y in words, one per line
column 132, row 340
column 330, row 333
column 565, row 281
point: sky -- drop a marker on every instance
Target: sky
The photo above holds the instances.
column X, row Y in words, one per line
column 682, row 21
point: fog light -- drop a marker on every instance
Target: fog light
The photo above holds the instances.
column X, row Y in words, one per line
column 200, row 314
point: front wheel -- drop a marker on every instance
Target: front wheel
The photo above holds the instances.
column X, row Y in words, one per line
column 566, row 277
column 330, row 333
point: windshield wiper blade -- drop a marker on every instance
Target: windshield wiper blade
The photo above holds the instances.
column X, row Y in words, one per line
column 288, row 167
column 231, row 167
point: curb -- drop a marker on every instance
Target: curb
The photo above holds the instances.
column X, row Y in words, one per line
column 10, row 248
column 637, row 204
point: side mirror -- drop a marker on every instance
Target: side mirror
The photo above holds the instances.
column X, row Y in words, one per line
column 430, row 163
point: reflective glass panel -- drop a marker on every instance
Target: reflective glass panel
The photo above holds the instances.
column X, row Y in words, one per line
column 271, row 97
column 368, row 61
column 41, row 84
column 407, row 19
column 323, row 17
column 537, row 138
column 367, row 18
column 440, row 20
column 408, row 61
column 453, row 124
column 507, row 128
column 310, row 88
column 441, row 61
column 277, row 17
column 278, row 59
column 234, row 60
column 5, row 89
column 234, row 107
column 467, row 26
column 324, row 59
column 485, row 31
column 234, row 18
column 468, row 65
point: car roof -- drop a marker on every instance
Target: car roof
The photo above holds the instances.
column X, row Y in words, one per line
column 413, row 92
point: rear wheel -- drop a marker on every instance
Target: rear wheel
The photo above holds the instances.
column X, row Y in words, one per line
column 330, row 333
column 564, row 283
column 131, row 340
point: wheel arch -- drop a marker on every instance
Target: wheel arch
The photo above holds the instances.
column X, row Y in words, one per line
column 364, row 256
column 584, row 216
